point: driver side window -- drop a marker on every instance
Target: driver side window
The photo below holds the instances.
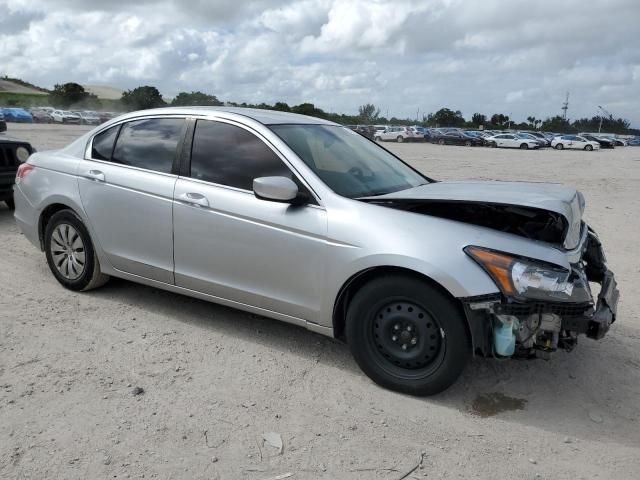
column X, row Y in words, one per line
column 228, row 155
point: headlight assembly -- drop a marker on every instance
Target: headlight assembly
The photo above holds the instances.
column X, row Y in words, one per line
column 523, row 278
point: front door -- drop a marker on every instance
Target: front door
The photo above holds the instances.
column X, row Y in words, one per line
column 232, row 245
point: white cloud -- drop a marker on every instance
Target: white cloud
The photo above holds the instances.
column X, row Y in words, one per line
column 516, row 57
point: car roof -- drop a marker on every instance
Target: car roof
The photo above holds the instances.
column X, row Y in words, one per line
column 266, row 117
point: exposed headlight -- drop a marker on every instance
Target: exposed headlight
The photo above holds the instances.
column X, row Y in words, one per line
column 523, row 278
column 22, row 154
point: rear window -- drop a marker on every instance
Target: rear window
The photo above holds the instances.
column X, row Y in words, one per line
column 151, row 144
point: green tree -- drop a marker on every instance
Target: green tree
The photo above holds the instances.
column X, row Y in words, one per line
column 142, row 97
column 557, row 124
column 446, row 118
column 368, row 113
column 499, row 120
column 68, row 94
column 195, row 98
column 282, row 107
column 478, row 119
column 308, row 109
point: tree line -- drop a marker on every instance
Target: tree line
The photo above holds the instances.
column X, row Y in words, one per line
column 143, row 97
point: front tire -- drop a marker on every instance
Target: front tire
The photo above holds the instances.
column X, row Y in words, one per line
column 407, row 335
column 70, row 253
column 441, row 142
column 377, row 139
column 467, row 143
column 399, row 139
column 524, row 146
column 588, row 148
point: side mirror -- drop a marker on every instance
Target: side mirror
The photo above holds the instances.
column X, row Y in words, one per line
column 275, row 189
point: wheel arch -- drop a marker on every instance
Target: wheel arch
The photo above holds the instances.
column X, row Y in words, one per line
column 359, row 279
column 46, row 214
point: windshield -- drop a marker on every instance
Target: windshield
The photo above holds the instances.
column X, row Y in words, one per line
column 348, row 163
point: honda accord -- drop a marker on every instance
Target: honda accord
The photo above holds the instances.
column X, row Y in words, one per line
column 306, row 221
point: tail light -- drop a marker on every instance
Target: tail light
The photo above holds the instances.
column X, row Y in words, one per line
column 23, row 171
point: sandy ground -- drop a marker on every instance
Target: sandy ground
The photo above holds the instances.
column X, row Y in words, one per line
column 216, row 379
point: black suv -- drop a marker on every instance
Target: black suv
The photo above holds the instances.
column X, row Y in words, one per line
column 13, row 152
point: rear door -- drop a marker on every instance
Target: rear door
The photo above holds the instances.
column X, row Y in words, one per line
column 232, row 245
column 126, row 186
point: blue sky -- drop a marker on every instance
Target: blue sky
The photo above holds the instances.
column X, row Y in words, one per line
column 516, row 57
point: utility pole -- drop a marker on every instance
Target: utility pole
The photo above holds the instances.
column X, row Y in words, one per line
column 565, row 107
column 602, row 118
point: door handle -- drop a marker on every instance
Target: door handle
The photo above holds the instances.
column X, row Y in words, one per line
column 194, row 198
column 96, row 175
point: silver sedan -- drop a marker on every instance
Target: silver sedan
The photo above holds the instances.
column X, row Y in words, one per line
column 306, row 221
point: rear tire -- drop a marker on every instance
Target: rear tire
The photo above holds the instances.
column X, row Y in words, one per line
column 407, row 335
column 441, row 142
column 559, row 146
column 588, row 148
column 70, row 253
column 11, row 204
column 524, row 146
column 493, row 144
column 377, row 139
column 467, row 143
column 399, row 139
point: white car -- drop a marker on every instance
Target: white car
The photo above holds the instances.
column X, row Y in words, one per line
column 575, row 142
column 63, row 116
column 398, row 134
column 511, row 140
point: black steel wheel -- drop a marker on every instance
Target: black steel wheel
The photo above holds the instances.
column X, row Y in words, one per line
column 407, row 335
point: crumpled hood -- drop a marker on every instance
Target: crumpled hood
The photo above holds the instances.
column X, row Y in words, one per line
column 556, row 198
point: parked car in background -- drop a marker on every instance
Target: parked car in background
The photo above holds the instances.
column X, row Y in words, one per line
column 280, row 215
column 367, row 131
column 542, row 143
column 3, row 122
column 41, row 116
column 397, row 134
column 64, row 116
column 603, row 141
column 456, row 138
column 575, row 142
column 634, row 142
column 88, row 118
column 18, row 115
column 13, row 153
column 511, row 140
column 540, row 136
column 620, row 142
column 426, row 134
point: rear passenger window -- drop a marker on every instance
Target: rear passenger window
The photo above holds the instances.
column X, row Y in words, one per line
column 102, row 145
column 151, row 144
column 229, row 155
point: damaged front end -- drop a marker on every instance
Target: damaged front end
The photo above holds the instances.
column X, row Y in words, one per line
column 541, row 307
